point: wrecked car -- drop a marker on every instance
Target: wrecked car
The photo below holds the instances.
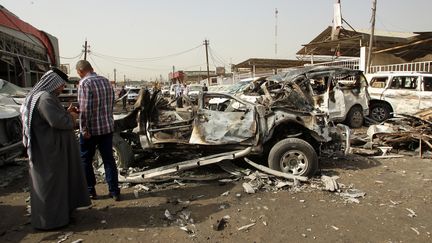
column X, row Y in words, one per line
column 10, row 134
column 11, row 97
column 399, row 92
column 340, row 92
column 289, row 133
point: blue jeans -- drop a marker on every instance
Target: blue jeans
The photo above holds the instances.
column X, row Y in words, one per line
column 88, row 149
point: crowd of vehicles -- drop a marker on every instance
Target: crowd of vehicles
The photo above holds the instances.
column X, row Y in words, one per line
column 288, row 118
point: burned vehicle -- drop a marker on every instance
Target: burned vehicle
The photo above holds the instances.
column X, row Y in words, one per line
column 10, row 134
column 288, row 132
column 11, row 97
column 342, row 93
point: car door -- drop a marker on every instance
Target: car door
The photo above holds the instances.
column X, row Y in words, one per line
column 402, row 94
column 334, row 99
column 235, row 124
column 425, row 92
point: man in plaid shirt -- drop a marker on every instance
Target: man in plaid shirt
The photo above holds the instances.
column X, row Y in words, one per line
column 96, row 101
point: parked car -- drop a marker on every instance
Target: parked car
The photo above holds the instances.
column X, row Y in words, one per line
column 399, row 92
column 165, row 91
column 193, row 91
column 11, row 98
column 289, row 133
column 132, row 94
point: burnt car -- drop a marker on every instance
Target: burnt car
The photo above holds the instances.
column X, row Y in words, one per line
column 11, row 97
column 342, row 93
column 288, row 131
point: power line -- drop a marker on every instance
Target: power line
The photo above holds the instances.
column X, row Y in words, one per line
column 221, row 60
column 146, row 59
column 127, row 65
column 91, row 58
column 79, row 55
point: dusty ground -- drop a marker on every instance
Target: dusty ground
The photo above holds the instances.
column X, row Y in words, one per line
column 392, row 186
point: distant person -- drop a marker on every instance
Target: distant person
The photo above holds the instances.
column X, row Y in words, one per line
column 122, row 95
column 185, row 90
column 178, row 96
column 57, row 182
column 96, row 100
column 205, row 88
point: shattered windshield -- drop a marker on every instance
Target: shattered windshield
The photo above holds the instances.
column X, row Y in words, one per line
column 238, row 87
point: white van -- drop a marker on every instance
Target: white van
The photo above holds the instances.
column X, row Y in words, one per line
column 399, row 92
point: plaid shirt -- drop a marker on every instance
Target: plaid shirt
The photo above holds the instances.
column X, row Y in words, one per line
column 96, row 101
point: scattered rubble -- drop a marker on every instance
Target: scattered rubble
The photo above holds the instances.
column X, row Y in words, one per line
column 402, row 132
column 64, row 237
column 411, row 214
column 246, row 227
column 330, row 183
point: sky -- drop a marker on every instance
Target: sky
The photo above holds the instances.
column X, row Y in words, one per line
column 146, row 39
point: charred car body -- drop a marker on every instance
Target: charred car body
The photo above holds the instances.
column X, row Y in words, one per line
column 287, row 130
column 11, row 97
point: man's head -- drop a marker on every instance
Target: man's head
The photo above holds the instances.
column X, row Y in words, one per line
column 83, row 67
column 63, row 76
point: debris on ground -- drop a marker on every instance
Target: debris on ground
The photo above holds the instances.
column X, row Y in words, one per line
column 330, row 183
column 64, row 237
column 220, row 224
column 351, row 195
column 403, row 132
column 411, row 214
column 246, row 227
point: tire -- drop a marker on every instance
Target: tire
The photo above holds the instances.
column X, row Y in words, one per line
column 122, row 152
column 294, row 156
column 355, row 117
column 380, row 112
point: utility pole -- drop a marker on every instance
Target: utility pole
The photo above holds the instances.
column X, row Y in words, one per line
column 85, row 49
column 172, row 76
column 371, row 39
column 206, row 43
column 115, row 76
column 276, row 29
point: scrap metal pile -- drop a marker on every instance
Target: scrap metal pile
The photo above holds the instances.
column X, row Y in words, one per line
column 403, row 132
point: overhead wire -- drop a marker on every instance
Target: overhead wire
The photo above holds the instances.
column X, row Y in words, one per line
column 127, row 65
column 148, row 58
column 79, row 55
column 100, row 70
column 223, row 61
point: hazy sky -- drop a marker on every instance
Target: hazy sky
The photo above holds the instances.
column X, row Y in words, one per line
column 144, row 39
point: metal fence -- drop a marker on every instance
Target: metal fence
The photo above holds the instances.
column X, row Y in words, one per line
column 353, row 63
column 413, row 67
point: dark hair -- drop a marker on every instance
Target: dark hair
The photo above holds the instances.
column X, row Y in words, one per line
column 60, row 73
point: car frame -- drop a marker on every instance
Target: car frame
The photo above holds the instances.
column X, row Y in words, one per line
column 291, row 138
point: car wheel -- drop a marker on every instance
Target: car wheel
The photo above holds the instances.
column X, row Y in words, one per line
column 379, row 112
column 122, row 151
column 355, row 117
column 294, row 156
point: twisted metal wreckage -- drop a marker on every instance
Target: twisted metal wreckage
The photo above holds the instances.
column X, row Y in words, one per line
column 285, row 124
